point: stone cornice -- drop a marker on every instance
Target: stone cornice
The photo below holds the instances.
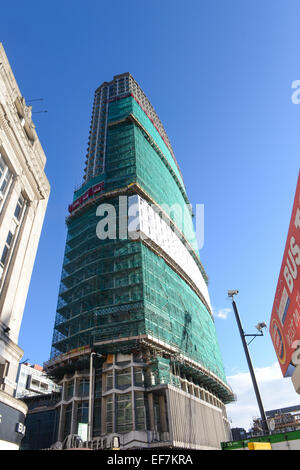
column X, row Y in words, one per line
column 31, row 156
column 13, row 347
column 13, row 402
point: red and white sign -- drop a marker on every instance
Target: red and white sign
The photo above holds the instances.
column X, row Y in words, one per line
column 285, row 318
column 89, row 193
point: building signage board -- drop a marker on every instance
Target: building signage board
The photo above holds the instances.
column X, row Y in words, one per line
column 94, row 190
column 12, row 428
column 285, row 318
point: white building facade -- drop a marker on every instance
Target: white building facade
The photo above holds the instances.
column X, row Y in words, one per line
column 24, row 194
column 32, row 380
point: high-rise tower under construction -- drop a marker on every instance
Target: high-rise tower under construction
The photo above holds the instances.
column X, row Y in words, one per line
column 134, row 342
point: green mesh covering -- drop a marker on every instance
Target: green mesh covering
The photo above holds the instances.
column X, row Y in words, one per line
column 174, row 313
column 114, row 289
column 120, row 109
column 121, row 289
column 160, row 371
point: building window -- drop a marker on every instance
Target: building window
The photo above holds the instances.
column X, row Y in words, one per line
column 97, row 418
column 109, row 380
column 6, row 248
column 157, row 424
column 3, row 372
column 44, row 386
column 4, row 183
column 109, row 414
column 123, row 379
column 2, row 167
column 83, row 388
column 124, row 412
column 82, row 412
column 69, row 390
column 98, row 386
column 19, row 207
column 5, row 175
column 138, row 377
column 140, row 415
column 68, row 416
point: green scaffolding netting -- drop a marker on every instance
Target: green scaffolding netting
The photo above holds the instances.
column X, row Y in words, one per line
column 117, row 288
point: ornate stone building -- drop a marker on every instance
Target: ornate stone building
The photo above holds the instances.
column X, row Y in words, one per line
column 24, row 193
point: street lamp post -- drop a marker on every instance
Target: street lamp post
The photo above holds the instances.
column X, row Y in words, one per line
column 245, row 345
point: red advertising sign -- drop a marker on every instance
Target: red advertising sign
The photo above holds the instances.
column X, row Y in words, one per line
column 89, row 193
column 285, row 318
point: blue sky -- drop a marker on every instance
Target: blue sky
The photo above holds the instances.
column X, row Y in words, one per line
column 219, row 74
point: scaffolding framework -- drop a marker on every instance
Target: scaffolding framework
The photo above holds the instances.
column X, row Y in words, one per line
column 114, row 293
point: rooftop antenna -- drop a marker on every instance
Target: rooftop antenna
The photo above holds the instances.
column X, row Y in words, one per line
column 23, row 362
column 35, row 99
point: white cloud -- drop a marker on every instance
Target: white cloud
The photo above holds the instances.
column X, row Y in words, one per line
column 222, row 313
column 276, row 392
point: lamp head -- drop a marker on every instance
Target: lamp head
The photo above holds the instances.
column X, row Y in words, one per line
column 232, row 293
column 260, row 326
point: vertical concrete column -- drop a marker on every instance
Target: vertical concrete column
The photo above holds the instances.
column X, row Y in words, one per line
column 76, row 384
column 151, row 411
column 114, row 424
column 103, row 404
column 103, row 415
column 162, row 413
column 63, row 390
column 73, row 427
column 169, row 414
column 61, row 423
column 132, row 396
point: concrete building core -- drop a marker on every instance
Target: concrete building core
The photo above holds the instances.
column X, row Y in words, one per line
column 134, row 292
